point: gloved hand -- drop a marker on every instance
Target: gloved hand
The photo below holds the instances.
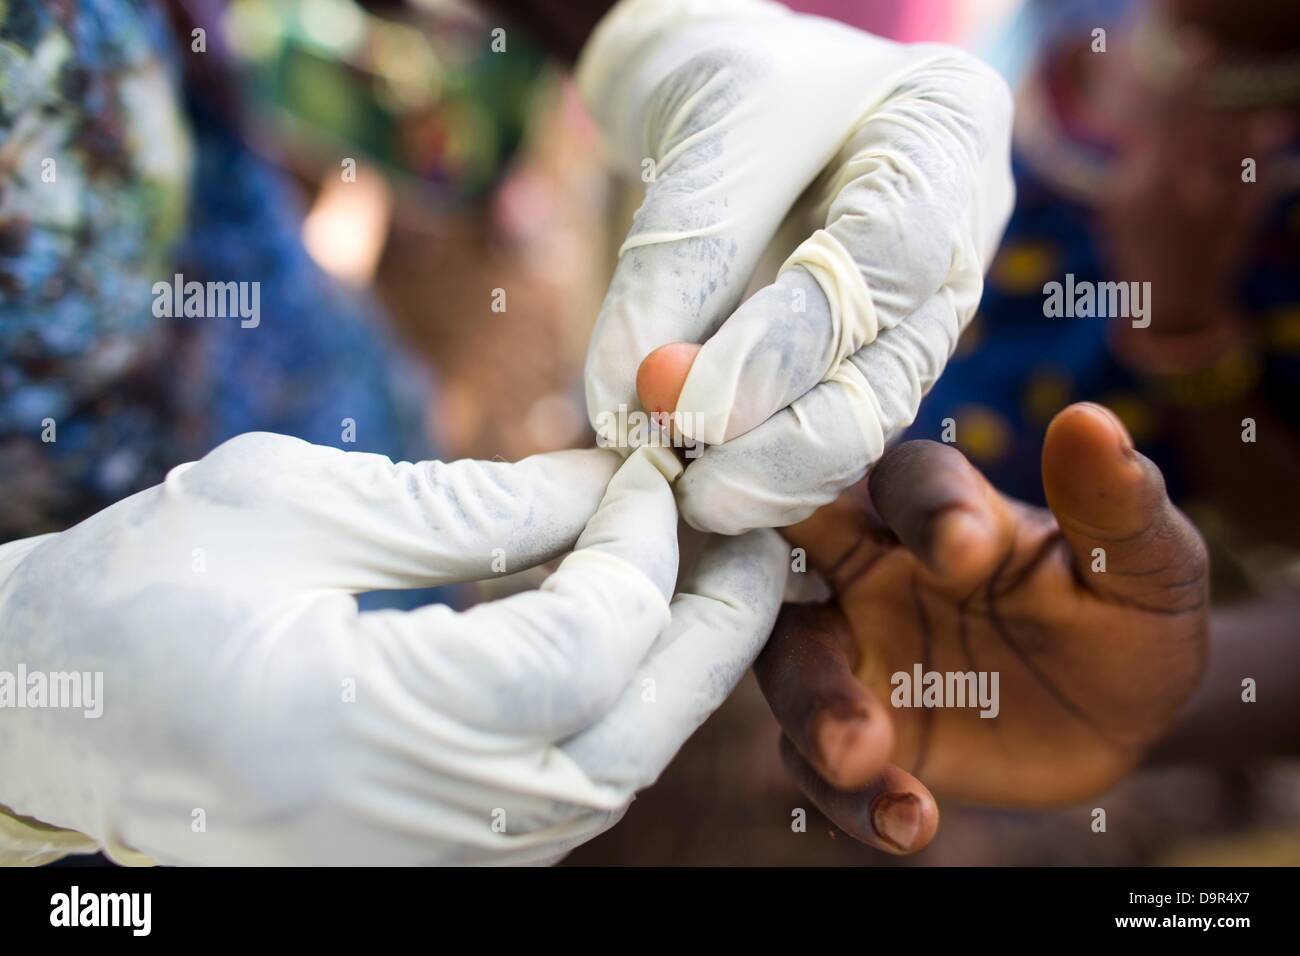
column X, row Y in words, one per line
column 250, row 714
column 884, row 167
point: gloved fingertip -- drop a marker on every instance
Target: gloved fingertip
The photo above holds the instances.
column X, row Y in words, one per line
column 664, row 460
column 712, row 516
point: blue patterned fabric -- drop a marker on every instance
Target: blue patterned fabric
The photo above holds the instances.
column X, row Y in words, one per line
column 146, row 185
column 1016, row 368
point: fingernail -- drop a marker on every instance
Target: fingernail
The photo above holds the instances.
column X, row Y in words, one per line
column 896, row 818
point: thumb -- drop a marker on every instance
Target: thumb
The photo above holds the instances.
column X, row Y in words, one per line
column 1130, row 543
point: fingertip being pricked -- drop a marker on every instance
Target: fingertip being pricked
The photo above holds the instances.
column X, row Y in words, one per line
column 662, row 373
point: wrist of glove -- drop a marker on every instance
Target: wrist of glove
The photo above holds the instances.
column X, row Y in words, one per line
column 873, row 176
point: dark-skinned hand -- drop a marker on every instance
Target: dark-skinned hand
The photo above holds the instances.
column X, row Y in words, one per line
column 929, row 563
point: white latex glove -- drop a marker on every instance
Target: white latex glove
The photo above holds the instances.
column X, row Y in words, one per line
column 889, row 166
column 250, row 714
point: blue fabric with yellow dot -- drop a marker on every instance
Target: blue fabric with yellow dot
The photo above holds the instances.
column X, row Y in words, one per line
column 1014, row 368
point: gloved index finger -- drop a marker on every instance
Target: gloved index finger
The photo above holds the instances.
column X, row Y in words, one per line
column 324, row 518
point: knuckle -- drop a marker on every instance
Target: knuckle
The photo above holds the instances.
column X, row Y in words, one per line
column 706, row 506
column 231, row 472
column 255, row 446
column 727, row 72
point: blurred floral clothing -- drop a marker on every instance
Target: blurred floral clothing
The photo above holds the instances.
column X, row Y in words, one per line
column 113, row 182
